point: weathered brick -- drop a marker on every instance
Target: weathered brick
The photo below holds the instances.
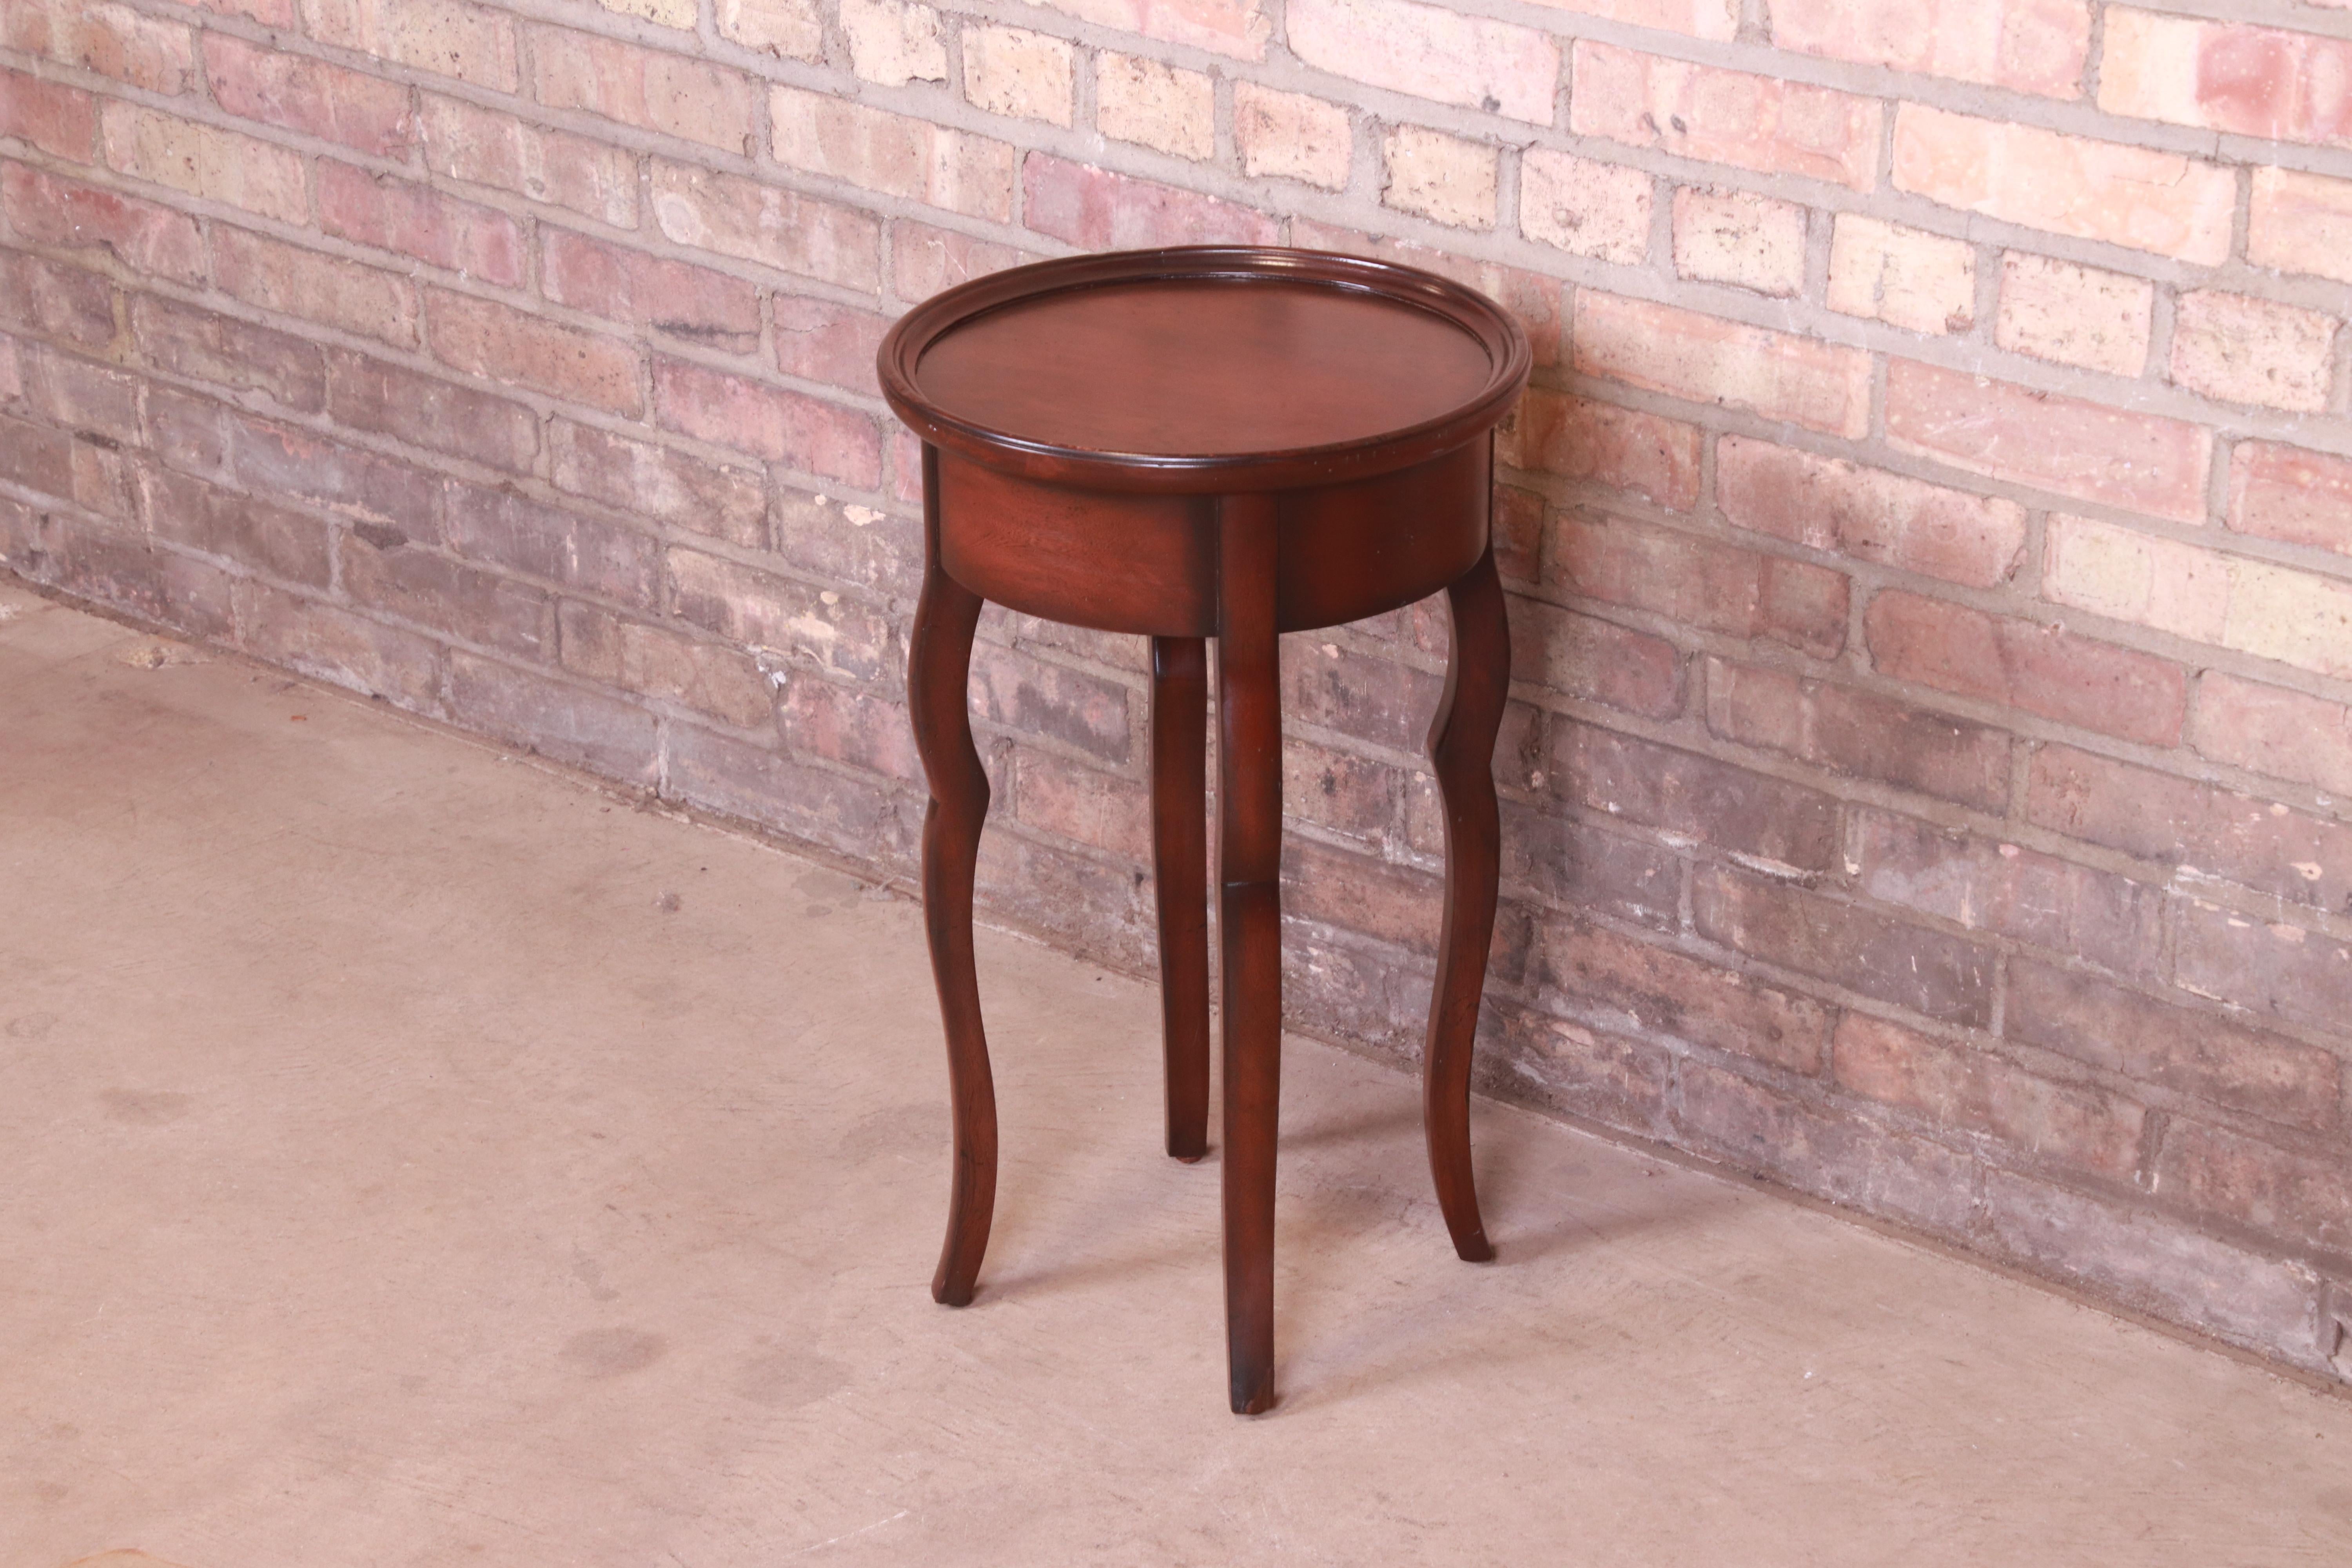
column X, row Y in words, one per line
column 1856, row 946
column 1827, row 503
column 1237, row 29
column 1430, row 52
column 501, row 528
column 84, row 398
column 879, row 552
column 1700, row 582
column 555, row 718
column 672, row 298
column 1724, row 116
column 2189, row 1051
column 1582, row 655
column 793, row 28
column 2205, row 831
column 2285, row 970
column 2295, row 1197
column 1984, row 885
column 856, row 814
column 250, row 531
column 650, row 88
column 894, row 153
column 2254, row 607
column 2290, row 495
column 2030, row 46
column 924, row 260
column 208, row 346
column 1155, row 105
column 761, row 610
column 373, row 395
column 1014, row 71
column 471, row 43
column 1367, row 897
column 205, row 161
column 187, row 432
column 114, row 40
column 1439, row 176
column 1095, row 209
column 1738, row 236
column 1718, row 20
column 1291, row 136
column 1583, row 206
column 1692, row 797
column 2222, row 76
column 658, row 482
column 893, row 43
column 2076, row 315
column 2132, row 196
column 12, row 375
column 497, row 341
column 1974, row 1091
column 58, row 119
column 1595, row 1074
column 1613, row 981
column 1705, row 359
column 1104, row 811
column 1018, row 692
column 2083, row 450
column 781, row 427
column 36, row 457
column 296, row 92
column 2272, row 730
column 49, row 209
column 774, row 228
column 1906, row 277
column 825, row 341
column 821, row 718
column 2027, row 665
column 130, row 574
column 662, row 13
column 465, row 141
column 2243, row 349
column 325, row 289
column 1617, row 448
column 1589, row 868
column 449, row 597
column 655, row 662
column 1858, row 733
column 46, row 299
column 1341, row 792
column 2301, row 223
column 271, row 460
column 416, row 220
column 334, row 645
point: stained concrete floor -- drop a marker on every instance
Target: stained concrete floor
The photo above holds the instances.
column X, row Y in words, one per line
column 416, row 1157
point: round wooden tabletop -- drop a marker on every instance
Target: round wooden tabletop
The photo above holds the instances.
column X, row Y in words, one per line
column 1203, row 368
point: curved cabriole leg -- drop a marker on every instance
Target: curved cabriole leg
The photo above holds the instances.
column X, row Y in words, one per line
column 939, row 669
column 1180, row 860
column 1462, row 748
column 1249, row 854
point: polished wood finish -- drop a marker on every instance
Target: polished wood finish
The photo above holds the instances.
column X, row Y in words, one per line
column 1205, row 443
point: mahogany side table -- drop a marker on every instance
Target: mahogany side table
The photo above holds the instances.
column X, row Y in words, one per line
column 1195, row 443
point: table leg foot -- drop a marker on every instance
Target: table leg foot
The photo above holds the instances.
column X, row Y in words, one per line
column 1180, row 859
column 1461, row 750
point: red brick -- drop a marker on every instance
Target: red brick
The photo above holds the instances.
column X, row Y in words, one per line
column 2283, row 970
column 1338, row 791
column 1618, row 448
column 2221, row 76
column 1430, row 52
column 186, row 432
column 88, row 399
column 845, row 543
column 1613, row 981
column 2243, row 349
column 2294, row 495
column 58, row 119
column 1700, row 582
column 2132, row 196
column 448, row 595
column 1098, row 210
column 659, row 482
column 898, row 154
column 781, row 427
column 332, row 645
column 1584, row 206
column 2134, row 460
column 1858, row 733
column 1741, row 238
column 1693, row 798
column 325, row 289
column 501, row 528
column 1589, row 868
column 1567, row 1067
column 653, row 661
column 859, row 815
column 149, row 52
column 270, row 460
column 825, row 341
column 2027, row 665
column 2186, row 1050
column 1368, row 695
column 296, row 92
column 250, row 532
column 924, row 260
column 1705, row 359
column 554, row 717
column 2295, row 1197
column 393, row 215
column 1723, row 116
column 2030, row 46
column 159, row 585
column 2271, row 729
column 1388, row 902
column 464, row 142
column 824, row 719
column 387, row 399
column 650, row 88
column 673, row 298
column 471, row 43
column 46, row 209
column 207, row 346
column 1582, row 655
column 1983, row 885
column 793, row 28
column 56, row 301
column 1012, row 690
column 2301, row 223
column 206, row 160
column 1517, row 532
column 774, row 228
column 1854, row 945
column 2208, row 830
column 36, row 457
column 505, row 344
column 1829, row 503
column 12, row 378
column 761, row 610
column 1974, row 1092
column 2076, row 315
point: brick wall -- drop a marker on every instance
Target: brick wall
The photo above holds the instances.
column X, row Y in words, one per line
column 1930, row 534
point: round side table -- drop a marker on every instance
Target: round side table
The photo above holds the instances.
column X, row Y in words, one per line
column 1196, row 443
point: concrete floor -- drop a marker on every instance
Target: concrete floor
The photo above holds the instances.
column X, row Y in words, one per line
column 416, row 1157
